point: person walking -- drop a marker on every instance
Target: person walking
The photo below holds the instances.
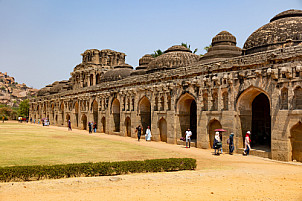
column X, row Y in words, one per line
column 188, row 138
column 247, row 142
column 69, row 125
column 3, row 119
column 90, row 127
column 230, row 142
column 139, row 132
column 148, row 134
column 94, row 127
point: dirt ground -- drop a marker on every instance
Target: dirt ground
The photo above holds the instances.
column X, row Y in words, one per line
column 224, row 177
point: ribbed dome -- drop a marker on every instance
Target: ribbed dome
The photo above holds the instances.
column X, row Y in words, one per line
column 119, row 72
column 174, row 57
column 223, row 46
column 284, row 30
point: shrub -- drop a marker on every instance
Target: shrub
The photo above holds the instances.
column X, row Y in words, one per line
column 38, row 172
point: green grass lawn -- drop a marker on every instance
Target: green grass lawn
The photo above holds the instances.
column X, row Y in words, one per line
column 26, row 144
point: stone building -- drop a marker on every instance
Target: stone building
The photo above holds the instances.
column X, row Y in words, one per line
column 257, row 88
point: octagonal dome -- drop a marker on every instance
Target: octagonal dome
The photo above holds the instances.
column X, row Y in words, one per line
column 284, row 30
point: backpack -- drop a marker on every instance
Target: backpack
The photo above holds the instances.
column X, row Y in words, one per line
column 228, row 141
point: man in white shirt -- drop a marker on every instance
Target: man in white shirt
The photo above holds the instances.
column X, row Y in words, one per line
column 188, row 138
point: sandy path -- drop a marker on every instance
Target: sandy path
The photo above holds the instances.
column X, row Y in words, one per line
column 222, row 177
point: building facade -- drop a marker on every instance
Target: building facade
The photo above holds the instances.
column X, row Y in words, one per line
column 256, row 88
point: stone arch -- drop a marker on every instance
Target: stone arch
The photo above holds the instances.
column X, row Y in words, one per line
column 187, row 113
column 62, row 112
column 94, row 108
column 213, row 124
column 225, row 100
column 84, row 122
column 284, row 99
column 162, row 126
column 296, row 142
column 67, row 118
column 116, row 114
column 253, row 106
column 297, row 98
column 76, row 112
column 128, row 126
column 145, row 112
column 103, row 122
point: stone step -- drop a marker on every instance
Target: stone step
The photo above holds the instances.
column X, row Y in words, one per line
column 256, row 152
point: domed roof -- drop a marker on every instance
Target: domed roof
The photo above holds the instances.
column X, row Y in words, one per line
column 284, row 30
column 119, row 72
column 223, row 46
column 174, row 57
column 144, row 61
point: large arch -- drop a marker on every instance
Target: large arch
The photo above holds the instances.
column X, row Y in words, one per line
column 76, row 111
column 145, row 113
column 62, row 112
column 94, row 106
column 253, row 106
column 67, row 118
column 116, row 114
column 213, row 124
column 296, row 142
column 187, row 112
column 103, row 122
column 84, row 122
column 162, row 126
column 128, row 126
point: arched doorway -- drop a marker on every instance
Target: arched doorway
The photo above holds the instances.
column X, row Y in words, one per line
column 95, row 111
column 116, row 114
column 76, row 111
column 145, row 113
column 254, row 112
column 162, row 125
column 84, row 122
column 187, row 115
column 261, row 123
column 128, row 126
column 296, row 142
column 62, row 112
column 103, row 122
column 214, row 124
column 67, row 119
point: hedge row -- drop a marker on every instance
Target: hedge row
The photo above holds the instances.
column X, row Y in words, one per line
column 38, row 172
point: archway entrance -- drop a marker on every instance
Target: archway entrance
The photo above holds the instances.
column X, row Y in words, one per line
column 162, row 125
column 67, row 118
column 62, row 112
column 95, row 111
column 128, row 126
column 214, row 124
column 76, row 110
column 261, row 123
column 103, row 121
column 188, row 115
column 254, row 113
column 296, row 142
column 116, row 115
column 84, row 122
column 145, row 113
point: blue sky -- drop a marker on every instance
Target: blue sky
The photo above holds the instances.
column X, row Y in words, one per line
column 41, row 40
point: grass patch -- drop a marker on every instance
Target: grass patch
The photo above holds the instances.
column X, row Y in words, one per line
column 26, row 144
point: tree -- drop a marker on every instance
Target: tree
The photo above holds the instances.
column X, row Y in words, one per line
column 189, row 47
column 157, row 53
column 24, row 108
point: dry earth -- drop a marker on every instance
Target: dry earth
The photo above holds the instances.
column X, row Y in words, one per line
column 221, row 177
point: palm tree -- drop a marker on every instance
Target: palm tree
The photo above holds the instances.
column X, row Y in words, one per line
column 157, row 53
column 189, row 47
